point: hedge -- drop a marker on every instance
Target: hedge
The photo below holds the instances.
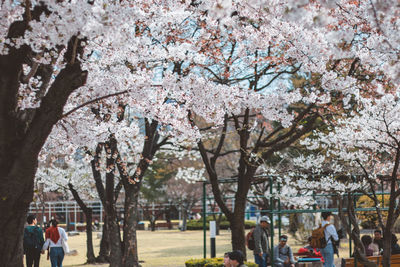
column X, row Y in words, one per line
column 198, row 224
column 214, row 262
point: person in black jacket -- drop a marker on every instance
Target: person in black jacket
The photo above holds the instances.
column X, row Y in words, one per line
column 395, row 246
column 33, row 242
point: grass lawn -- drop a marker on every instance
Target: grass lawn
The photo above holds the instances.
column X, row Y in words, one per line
column 166, row 248
column 159, row 248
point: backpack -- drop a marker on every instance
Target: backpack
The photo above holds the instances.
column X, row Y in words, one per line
column 318, row 237
column 250, row 240
column 31, row 239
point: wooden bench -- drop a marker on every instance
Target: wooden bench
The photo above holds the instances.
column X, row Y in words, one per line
column 164, row 225
column 394, row 261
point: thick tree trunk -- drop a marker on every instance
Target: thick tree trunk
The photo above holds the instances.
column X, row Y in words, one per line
column 115, row 241
column 89, row 237
column 387, row 248
column 237, row 230
column 130, row 252
column 12, row 221
column 104, row 253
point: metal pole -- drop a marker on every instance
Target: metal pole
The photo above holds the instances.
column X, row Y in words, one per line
column 101, row 212
column 213, row 231
column 350, row 248
column 279, row 209
column 66, row 215
column 204, row 222
column 271, row 207
column 75, row 216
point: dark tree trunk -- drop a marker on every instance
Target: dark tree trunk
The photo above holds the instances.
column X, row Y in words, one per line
column 89, row 237
column 111, row 211
column 387, row 248
column 115, row 242
column 237, row 230
column 104, row 252
column 130, row 258
column 168, row 217
column 88, row 216
column 184, row 219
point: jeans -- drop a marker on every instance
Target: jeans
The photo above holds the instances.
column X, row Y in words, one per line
column 261, row 261
column 56, row 256
column 32, row 257
column 327, row 253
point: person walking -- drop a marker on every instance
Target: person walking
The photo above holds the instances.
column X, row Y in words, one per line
column 283, row 254
column 55, row 236
column 33, row 242
column 330, row 235
column 261, row 248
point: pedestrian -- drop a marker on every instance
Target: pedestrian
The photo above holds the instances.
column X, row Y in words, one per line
column 378, row 239
column 330, row 235
column 33, row 242
column 283, row 254
column 261, row 245
column 236, row 259
column 55, row 236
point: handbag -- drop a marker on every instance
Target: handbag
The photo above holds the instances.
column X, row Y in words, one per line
column 65, row 246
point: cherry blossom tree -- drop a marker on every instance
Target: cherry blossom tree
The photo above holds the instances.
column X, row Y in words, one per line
column 224, row 61
column 47, row 51
column 364, row 149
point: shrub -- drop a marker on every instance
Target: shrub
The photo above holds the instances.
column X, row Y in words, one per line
column 198, row 224
column 214, row 262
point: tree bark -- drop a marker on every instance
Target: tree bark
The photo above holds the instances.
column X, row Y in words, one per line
column 104, row 252
column 130, row 251
column 237, row 229
column 88, row 217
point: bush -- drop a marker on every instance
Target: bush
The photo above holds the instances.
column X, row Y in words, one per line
column 198, row 225
column 214, row 262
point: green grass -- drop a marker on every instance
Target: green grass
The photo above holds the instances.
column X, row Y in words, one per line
column 166, row 248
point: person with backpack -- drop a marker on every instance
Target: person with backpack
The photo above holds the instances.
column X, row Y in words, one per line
column 32, row 242
column 261, row 245
column 283, row 254
column 331, row 236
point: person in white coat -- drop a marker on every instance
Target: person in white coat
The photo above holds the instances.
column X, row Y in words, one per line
column 55, row 236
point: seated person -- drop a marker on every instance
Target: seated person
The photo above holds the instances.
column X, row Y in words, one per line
column 378, row 239
column 310, row 252
column 395, row 246
column 236, row 259
column 367, row 241
column 226, row 260
column 283, row 255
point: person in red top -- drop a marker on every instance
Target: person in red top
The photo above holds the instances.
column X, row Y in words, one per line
column 310, row 252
